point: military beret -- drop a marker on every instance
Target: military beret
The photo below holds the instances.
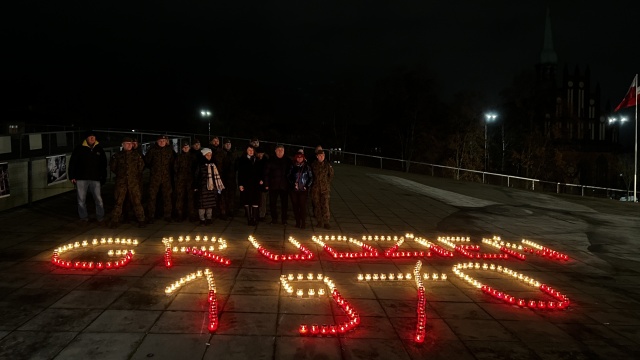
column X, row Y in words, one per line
column 160, row 137
column 227, row 141
column 185, row 143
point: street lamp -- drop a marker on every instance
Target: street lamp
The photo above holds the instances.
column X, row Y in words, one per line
column 622, row 120
column 490, row 117
column 613, row 120
column 207, row 115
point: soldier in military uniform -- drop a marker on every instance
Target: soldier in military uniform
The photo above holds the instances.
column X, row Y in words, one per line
column 127, row 210
column 127, row 165
column 184, row 167
column 159, row 160
column 321, row 189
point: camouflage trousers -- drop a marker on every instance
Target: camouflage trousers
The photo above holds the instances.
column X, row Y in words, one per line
column 155, row 185
column 135, row 197
column 320, row 202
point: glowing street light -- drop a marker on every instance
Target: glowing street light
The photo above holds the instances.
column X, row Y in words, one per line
column 490, row 117
column 206, row 114
column 613, row 119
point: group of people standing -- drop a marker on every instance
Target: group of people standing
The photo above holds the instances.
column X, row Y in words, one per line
column 200, row 183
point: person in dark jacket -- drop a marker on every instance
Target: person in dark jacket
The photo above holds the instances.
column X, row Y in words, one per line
column 275, row 177
column 208, row 185
column 185, row 167
column 261, row 160
column 88, row 172
column 159, row 159
column 300, row 179
column 228, row 173
column 249, row 181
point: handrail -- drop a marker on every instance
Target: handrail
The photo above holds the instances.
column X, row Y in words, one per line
column 383, row 162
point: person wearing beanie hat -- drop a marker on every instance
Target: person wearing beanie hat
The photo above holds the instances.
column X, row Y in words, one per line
column 300, row 179
column 208, row 186
column 127, row 165
column 184, row 168
column 159, row 160
column 88, row 172
column 321, row 189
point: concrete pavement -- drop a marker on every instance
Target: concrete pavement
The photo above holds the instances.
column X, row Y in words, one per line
column 47, row 312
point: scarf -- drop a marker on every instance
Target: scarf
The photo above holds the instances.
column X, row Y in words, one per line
column 215, row 177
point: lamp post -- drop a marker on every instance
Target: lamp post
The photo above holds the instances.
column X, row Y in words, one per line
column 488, row 118
column 207, row 115
column 622, row 120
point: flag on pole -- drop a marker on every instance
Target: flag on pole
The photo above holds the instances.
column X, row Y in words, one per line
column 632, row 97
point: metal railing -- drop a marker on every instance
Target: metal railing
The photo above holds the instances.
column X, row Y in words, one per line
column 63, row 142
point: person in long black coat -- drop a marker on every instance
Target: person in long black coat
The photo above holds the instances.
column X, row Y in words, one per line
column 249, row 182
column 275, row 178
column 208, row 186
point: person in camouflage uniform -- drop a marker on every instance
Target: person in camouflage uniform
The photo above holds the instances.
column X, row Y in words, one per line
column 228, row 174
column 159, row 160
column 184, row 167
column 127, row 165
column 321, row 189
column 128, row 214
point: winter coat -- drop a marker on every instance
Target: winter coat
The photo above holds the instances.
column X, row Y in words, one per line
column 88, row 163
column 206, row 199
column 249, row 177
column 185, row 167
column 229, row 169
column 275, row 173
column 322, row 176
column 300, row 177
column 160, row 160
column 127, row 166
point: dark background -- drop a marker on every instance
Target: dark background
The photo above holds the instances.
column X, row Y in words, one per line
column 280, row 70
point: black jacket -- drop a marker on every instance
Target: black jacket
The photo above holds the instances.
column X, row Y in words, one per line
column 88, row 163
column 275, row 173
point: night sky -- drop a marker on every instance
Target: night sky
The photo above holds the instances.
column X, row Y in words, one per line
column 137, row 62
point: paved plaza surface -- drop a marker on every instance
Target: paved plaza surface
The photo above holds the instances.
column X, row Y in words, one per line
column 47, row 312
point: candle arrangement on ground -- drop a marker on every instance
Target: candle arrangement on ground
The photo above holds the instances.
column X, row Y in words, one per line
column 125, row 254
column 211, row 296
column 306, row 253
column 367, row 250
column 561, row 303
column 200, row 246
column 316, row 329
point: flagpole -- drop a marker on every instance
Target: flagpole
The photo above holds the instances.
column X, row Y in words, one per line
column 635, row 162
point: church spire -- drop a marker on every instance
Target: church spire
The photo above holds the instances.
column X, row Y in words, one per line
column 548, row 55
